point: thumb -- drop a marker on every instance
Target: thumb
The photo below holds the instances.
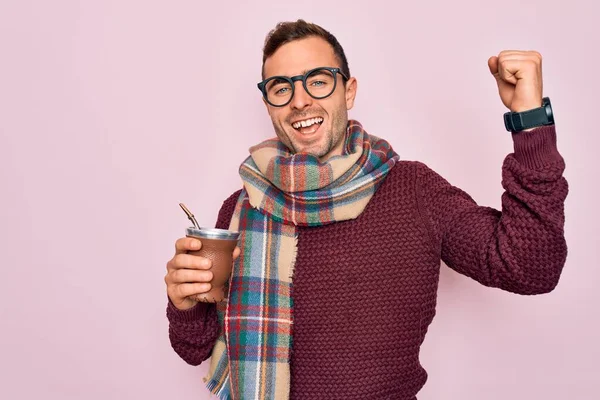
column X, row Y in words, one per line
column 236, row 253
column 493, row 65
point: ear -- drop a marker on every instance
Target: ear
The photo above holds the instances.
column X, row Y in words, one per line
column 351, row 88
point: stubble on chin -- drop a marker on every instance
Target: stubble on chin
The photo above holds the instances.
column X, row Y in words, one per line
column 323, row 148
column 283, row 137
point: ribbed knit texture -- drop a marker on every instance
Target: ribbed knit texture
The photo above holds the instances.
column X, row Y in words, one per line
column 365, row 290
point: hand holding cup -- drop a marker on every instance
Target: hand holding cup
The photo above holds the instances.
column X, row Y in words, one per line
column 201, row 266
column 189, row 275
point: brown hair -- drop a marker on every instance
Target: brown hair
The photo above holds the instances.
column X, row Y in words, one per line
column 286, row 32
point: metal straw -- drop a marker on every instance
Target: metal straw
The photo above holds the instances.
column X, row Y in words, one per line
column 189, row 215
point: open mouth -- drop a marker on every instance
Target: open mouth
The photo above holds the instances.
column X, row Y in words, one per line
column 307, row 126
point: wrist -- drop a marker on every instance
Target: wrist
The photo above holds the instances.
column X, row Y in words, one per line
column 530, row 119
column 524, row 107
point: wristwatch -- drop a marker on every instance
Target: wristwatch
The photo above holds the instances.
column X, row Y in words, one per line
column 519, row 121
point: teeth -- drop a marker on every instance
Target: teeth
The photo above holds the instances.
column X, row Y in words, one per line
column 307, row 122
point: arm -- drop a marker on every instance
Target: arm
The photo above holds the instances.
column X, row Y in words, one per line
column 193, row 332
column 520, row 249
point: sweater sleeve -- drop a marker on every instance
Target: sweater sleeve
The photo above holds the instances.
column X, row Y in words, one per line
column 520, row 249
column 194, row 332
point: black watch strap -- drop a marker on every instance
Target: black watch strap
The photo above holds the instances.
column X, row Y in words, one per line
column 519, row 121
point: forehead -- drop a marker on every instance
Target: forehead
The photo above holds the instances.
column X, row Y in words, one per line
column 299, row 56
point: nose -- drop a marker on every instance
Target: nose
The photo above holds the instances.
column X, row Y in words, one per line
column 301, row 98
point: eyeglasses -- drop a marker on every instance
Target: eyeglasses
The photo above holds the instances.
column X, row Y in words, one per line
column 319, row 83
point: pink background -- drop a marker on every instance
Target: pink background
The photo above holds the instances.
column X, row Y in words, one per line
column 113, row 112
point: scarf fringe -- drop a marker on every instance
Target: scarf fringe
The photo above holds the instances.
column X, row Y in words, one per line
column 213, row 387
column 293, row 265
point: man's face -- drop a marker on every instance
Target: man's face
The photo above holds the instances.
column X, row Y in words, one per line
column 323, row 139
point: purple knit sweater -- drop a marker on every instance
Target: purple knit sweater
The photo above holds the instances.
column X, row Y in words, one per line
column 365, row 290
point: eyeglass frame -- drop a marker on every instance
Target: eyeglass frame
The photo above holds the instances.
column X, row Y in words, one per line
column 292, row 81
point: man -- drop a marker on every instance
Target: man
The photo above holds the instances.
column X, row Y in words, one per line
column 335, row 278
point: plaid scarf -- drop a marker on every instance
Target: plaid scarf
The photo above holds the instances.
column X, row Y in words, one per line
column 281, row 191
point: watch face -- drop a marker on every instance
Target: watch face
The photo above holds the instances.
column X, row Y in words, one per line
column 548, row 109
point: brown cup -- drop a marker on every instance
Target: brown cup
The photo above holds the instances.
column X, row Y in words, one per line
column 218, row 246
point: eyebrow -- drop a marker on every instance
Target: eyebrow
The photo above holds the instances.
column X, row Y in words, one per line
column 300, row 74
column 289, row 76
column 278, row 79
